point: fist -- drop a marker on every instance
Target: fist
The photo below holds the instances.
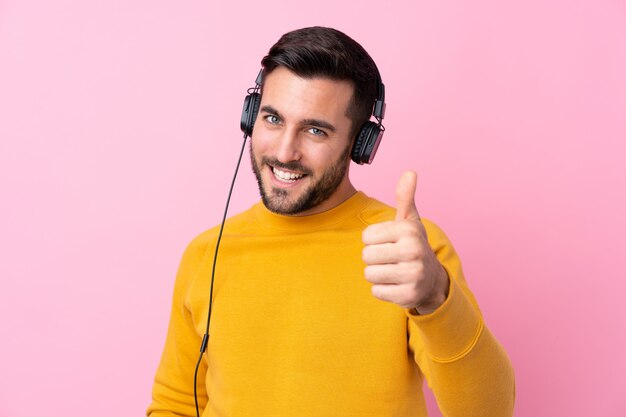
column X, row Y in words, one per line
column 400, row 263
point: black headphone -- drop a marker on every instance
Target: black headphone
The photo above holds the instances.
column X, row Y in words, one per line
column 367, row 140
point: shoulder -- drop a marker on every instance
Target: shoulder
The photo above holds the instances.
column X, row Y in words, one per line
column 205, row 241
column 375, row 211
column 435, row 233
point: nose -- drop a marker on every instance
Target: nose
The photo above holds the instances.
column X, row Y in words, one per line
column 288, row 146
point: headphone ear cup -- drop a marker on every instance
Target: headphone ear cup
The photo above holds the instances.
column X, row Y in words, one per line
column 366, row 143
column 251, row 106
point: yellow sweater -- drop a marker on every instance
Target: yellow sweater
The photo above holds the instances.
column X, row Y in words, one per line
column 295, row 330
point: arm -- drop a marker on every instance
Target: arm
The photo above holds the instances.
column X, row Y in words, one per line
column 467, row 369
column 411, row 263
column 172, row 392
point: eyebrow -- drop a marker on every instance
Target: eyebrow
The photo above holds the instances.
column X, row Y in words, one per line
column 306, row 122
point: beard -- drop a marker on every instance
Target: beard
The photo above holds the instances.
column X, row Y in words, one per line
column 278, row 200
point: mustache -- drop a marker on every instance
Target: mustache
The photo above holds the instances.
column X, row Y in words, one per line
column 292, row 166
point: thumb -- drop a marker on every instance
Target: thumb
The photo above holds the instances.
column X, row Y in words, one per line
column 405, row 197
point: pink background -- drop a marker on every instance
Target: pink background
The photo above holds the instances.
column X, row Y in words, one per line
column 119, row 127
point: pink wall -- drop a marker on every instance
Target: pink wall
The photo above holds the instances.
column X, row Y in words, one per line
column 119, row 133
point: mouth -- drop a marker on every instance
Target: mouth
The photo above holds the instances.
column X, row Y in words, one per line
column 287, row 177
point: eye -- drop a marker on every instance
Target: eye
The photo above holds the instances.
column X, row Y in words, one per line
column 316, row 132
column 272, row 119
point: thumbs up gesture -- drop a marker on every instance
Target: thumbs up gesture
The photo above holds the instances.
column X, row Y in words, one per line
column 400, row 263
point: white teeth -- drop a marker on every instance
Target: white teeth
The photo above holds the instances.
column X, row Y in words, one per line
column 286, row 176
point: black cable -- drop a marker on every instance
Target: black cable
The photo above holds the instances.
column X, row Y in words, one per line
column 205, row 338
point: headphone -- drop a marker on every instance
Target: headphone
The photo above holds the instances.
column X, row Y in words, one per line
column 367, row 139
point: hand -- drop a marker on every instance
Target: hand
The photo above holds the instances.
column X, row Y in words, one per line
column 400, row 263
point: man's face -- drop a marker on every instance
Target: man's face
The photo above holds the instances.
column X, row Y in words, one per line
column 300, row 146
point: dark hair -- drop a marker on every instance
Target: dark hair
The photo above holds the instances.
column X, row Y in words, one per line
column 326, row 52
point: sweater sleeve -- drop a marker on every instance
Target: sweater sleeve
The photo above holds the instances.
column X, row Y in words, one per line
column 172, row 392
column 465, row 366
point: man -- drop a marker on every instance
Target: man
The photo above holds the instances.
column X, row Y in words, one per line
column 325, row 302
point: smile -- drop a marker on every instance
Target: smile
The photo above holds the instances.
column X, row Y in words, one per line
column 286, row 176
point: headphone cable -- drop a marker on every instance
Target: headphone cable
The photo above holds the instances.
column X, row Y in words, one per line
column 205, row 338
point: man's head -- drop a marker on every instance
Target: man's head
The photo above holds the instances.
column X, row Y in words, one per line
column 319, row 52
column 319, row 87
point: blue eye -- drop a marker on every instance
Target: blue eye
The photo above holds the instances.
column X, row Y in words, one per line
column 272, row 119
column 317, row 132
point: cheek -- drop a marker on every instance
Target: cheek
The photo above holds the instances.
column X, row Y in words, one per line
column 319, row 161
column 260, row 142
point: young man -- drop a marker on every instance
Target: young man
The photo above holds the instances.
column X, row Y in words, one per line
column 325, row 302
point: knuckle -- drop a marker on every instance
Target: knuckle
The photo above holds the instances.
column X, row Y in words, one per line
column 409, row 250
column 416, row 296
column 408, row 300
column 410, row 227
column 414, row 270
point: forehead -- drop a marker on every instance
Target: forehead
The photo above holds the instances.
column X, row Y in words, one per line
column 303, row 98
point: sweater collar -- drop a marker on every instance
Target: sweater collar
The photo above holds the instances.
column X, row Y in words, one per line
column 303, row 224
